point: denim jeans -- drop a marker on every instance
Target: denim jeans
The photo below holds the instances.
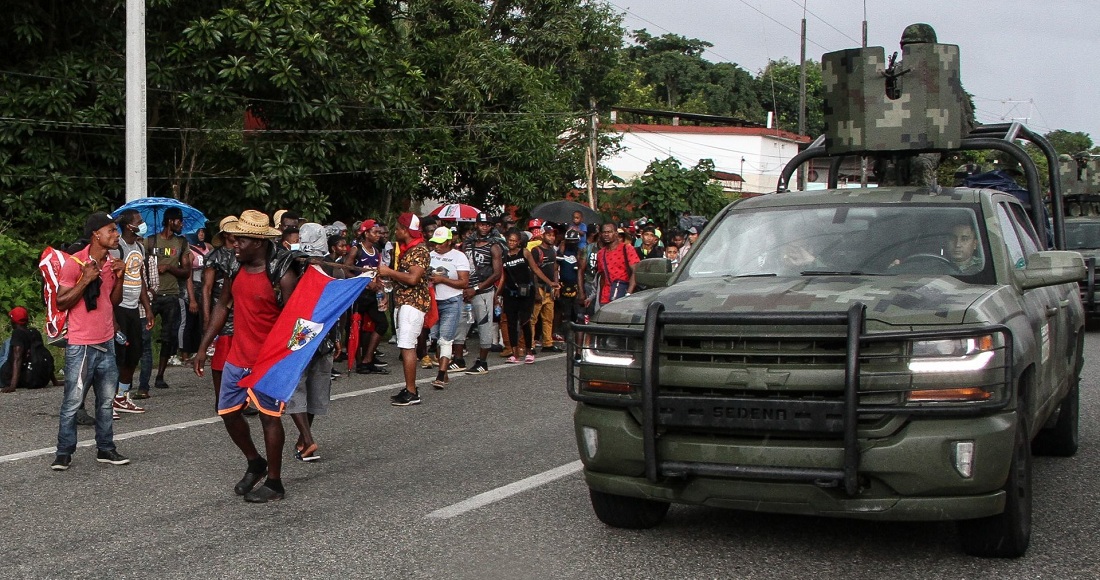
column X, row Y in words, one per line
column 146, row 356
column 88, row 366
column 449, row 312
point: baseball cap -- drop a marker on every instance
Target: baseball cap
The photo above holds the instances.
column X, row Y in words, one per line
column 483, row 218
column 572, row 236
column 534, row 223
column 693, row 230
column 366, row 226
column 441, row 234
column 18, row 315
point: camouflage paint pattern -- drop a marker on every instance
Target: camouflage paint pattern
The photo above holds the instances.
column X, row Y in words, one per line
column 928, row 114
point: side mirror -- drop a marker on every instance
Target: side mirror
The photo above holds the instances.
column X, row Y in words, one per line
column 653, row 272
column 1050, row 268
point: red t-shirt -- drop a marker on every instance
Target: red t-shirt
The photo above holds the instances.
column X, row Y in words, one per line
column 612, row 267
column 90, row 326
column 254, row 313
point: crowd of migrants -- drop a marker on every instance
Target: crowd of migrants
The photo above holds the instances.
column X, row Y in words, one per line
column 510, row 290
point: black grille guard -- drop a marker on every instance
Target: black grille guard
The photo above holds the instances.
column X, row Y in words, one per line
column 853, row 320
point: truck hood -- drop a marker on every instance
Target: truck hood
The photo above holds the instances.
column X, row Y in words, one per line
column 890, row 300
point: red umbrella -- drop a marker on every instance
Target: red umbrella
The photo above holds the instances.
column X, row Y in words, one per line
column 456, row 212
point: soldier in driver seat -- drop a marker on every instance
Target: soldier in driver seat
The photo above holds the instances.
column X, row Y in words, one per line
column 962, row 248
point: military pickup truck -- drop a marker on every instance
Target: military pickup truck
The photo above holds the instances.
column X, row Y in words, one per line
column 889, row 353
column 1083, row 235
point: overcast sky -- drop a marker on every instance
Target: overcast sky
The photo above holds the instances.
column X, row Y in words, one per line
column 1021, row 59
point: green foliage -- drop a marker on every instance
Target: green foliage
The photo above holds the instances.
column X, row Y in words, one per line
column 1068, row 142
column 367, row 105
column 777, row 88
column 669, row 72
column 19, row 285
column 667, row 189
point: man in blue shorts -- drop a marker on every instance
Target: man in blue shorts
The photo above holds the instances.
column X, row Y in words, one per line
column 260, row 289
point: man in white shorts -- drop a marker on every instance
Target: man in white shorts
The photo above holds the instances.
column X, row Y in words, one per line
column 410, row 297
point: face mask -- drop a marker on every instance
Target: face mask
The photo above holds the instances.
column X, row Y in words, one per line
column 142, row 229
column 295, row 247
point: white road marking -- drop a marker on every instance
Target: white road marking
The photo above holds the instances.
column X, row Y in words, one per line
column 505, row 491
column 207, row 421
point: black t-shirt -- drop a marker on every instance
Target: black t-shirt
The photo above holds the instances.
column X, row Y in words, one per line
column 546, row 257
column 20, row 336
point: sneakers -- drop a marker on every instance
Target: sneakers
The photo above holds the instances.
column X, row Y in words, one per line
column 392, row 340
column 458, row 365
column 250, row 479
column 496, row 348
column 175, row 361
column 335, row 374
column 161, row 384
column 379, row 354
column 552, row 348
column 141, row 394
column 505, row 352
column 123, row 404
column 113, row 457
column 263, row 494
column 426, row 362
column 440, row 383
column 559, row 338
column 405, row 398
column 114, row 415
column 61, row 462
column 529, row 359
column 83, row 418
column 512, row 360
column 371, row 369
column 479, row 368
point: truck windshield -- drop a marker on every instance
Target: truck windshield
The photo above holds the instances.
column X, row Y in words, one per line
column 1082, row 235
column 845, row 240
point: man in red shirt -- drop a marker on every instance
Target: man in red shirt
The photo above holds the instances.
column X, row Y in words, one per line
column 89, row 289
column 615, row 264
column 256, row 306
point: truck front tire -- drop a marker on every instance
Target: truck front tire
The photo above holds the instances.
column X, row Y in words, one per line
column 632, row 513
column 1007, row 534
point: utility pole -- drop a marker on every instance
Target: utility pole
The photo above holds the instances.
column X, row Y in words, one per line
column 593, row 155
column 802, row 94
column 137, row 175
column 863, row 160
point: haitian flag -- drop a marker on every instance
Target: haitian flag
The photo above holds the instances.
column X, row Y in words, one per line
column 314, row 308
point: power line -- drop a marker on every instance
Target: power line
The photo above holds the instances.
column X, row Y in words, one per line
column 120, row 84
column 826, row 22
column 769, row 17
column 200, row 130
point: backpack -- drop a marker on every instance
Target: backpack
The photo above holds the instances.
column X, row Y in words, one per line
column 49, row 264
column 37, row 366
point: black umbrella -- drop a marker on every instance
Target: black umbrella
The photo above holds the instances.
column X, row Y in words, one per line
column 562, row 212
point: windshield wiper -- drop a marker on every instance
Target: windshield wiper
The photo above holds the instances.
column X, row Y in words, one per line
column 757, row 275
column 835, row 273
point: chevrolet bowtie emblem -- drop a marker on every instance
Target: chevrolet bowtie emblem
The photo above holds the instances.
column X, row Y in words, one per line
column 757, row 378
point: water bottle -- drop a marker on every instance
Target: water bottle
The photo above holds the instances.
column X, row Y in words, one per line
column 381, row 297
column 468, row 309
column 496, row 312
column 121, row 338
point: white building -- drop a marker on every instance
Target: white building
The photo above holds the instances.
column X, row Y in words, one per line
column 756, row 154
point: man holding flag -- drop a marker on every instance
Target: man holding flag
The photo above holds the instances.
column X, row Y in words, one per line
column 255, row 293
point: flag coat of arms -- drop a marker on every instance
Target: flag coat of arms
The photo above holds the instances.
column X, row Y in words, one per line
column 313, row 309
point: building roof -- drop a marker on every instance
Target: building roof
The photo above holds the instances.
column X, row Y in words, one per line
column 696, row 130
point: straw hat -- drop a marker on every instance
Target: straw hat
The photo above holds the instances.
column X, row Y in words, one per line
column 252, row 224
column 219, row 238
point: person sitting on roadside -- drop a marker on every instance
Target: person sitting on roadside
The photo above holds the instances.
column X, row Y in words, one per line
column 21, row 348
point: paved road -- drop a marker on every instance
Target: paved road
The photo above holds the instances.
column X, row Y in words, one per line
column 480, row 481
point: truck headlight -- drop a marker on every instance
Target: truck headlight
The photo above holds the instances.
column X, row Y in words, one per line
column 951, row 355
column 608, row 349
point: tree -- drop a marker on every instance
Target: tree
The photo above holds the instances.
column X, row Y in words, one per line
column 777, row 88
column 1069, row 143
column 667, row 189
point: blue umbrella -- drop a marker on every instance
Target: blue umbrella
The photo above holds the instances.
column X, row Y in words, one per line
column 152, row 211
